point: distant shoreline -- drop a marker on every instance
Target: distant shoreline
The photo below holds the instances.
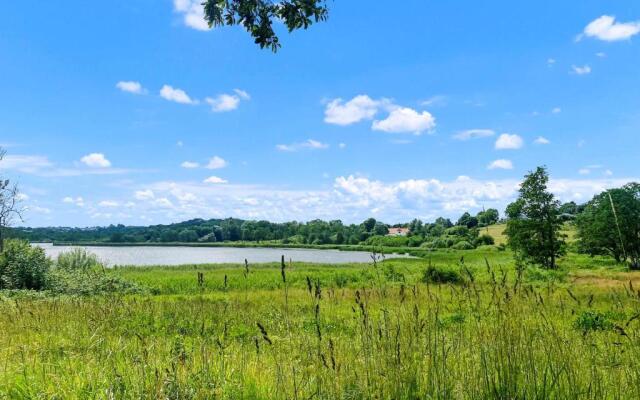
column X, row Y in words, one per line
column 412, row 251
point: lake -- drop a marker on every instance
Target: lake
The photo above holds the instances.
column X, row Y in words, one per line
column 148, row 255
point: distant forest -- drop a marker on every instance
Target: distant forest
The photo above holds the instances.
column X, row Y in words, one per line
column 442, row 233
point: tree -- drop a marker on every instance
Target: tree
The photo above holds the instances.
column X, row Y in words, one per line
column 9, row 204
column 467, row 220
column 533, row 227
column 488, row 217
column 257, row 16
column 369, row 224
column 610, row 225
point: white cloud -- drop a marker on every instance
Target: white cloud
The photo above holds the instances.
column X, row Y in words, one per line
column 342, row 145
column 78, row 201
column 359, row 108
column 40, row 210
column 585, row 70
column 541, row 140
column 584, row 171
column 405, row 120
column 501, row 164
column 163, row 203
column 215, row 180
column 189, row 165
column 96, row 160
column 25, row 163
column 243, row 94
column 217, row 163
column 433, row 101
column 131, row 87
column 108, row 204
column 601, row 54
column 606, row 28
column 223, row 103
column 556, row 110
column 351, row 198
column 146, row 194
column 608, row 172
column 176, row 95
column 509, row 142
column 551, row 61
column 227, row 102
column 473, row 134
column 22, row 197
column 192, row 13
column 308, row 144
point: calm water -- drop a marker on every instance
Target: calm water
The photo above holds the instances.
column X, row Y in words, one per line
column 145, row 255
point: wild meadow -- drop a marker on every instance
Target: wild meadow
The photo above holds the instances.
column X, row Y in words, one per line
column 460, row 325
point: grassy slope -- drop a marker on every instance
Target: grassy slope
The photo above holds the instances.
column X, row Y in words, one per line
column 374, row 332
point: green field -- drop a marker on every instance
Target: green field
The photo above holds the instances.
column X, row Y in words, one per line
column 334, row 332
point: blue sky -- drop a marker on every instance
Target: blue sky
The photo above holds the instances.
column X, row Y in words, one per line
column 134, row 113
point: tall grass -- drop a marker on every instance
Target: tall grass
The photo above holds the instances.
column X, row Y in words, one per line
column 288, row 331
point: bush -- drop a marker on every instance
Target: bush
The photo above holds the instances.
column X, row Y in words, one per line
column 485, row 240
column 593, row 321
column 463, row 245
column 435, row 274
column 390, row 241
column 91, row 283
column 77, row 260
column 23, row 266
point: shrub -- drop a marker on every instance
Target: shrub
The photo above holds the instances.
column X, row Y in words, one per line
column 463, row 245
column 391, row 241
column 485, row 240
column 23, row 266
column 77, row 259
column 593, row 321
column 435, row 274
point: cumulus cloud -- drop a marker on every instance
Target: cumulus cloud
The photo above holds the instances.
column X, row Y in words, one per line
column 78, row 201
column 192, row 12
column 227, row 102
column 362, row 107
column 509, row 142
column 217, row 163
column 176, row 95
column 95, row 160
column 359, row 108
column 473, row 134
column 406, row 120
column 556, row 110
column 584, row 70
column 215, row 180
column 606, row 28
column 190, row 164
column 309, row 144
column 131, row 87
column 501, row 164
column 541, row 140
column 351, row 198
column 145, row 194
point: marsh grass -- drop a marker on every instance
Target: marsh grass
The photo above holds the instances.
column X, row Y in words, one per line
column 290, row 331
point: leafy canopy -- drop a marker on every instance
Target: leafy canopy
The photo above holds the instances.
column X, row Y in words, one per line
column 257, row 16
column 610, row 224
column 533, row 227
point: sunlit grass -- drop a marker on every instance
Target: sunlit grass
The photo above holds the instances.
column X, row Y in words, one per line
column 350, row 331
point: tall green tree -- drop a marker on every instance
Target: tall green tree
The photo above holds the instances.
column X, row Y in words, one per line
column 610, row 225
column 534, row 224
column 258, row 16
